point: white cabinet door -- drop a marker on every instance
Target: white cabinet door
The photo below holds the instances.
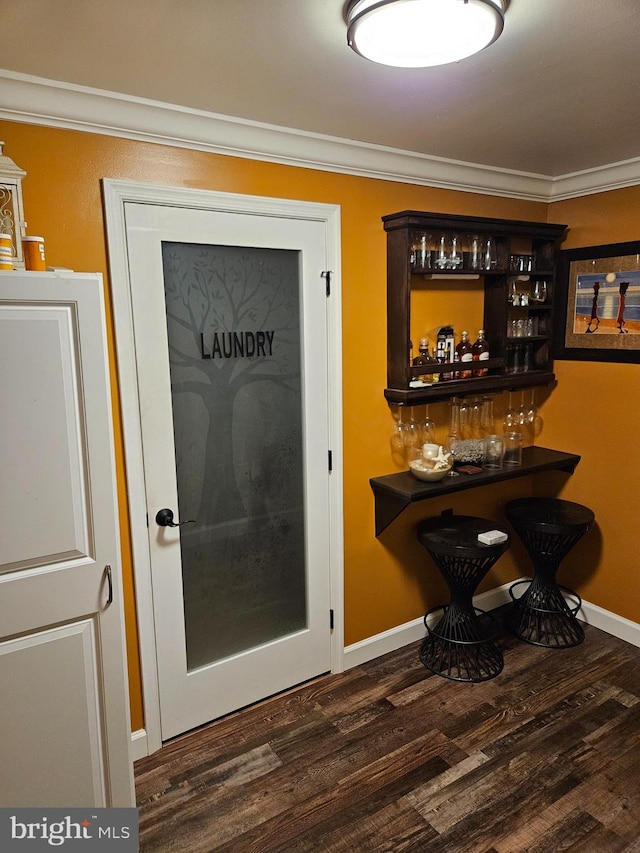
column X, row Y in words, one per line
column 64, row 721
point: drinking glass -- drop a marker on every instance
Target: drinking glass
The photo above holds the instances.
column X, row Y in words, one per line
column 539, row 291
column 490, row 259
column 493, row 451
column 455, row 253
column 441, row 260
column 421, row 251
column 476, row 252
column 512, row 448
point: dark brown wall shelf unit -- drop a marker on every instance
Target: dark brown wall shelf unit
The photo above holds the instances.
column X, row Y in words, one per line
column 516, row 362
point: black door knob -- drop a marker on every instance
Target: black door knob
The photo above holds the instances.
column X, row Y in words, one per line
column 164, row 518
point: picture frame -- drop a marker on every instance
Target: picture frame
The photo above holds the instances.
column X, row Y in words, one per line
column 597, row 301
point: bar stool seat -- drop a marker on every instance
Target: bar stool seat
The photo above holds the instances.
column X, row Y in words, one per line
column 461, row 646
column 544, row 612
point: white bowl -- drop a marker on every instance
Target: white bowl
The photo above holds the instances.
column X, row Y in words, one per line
column 430, row 475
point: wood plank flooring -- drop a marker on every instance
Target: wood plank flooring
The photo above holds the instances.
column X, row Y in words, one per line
column 388, row 757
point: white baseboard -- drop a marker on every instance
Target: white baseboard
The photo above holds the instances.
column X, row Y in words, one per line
column 411, row 632
column 613, row 624
column 139, row 747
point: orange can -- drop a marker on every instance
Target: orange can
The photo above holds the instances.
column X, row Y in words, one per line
column 6, row 252
column 33, row 248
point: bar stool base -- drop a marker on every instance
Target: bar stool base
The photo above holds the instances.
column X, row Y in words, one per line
column 472, row 656
column 545, row 616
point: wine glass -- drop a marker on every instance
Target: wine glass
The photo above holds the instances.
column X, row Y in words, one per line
column 532, row 416
column 427, row 428
column 464, row 416
column 411, row 438
column 510, row 419
column 397, row 439
column 522, row 417
column 398, row 444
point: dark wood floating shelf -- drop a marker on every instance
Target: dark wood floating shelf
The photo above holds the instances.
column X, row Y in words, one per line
column 473, row 272
column 394, row 492
column 476, row 385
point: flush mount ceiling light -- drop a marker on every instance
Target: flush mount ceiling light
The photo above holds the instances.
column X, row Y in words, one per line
column 422, row 33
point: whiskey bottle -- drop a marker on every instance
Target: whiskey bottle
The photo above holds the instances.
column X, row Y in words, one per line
column 464, row 355
column 424, row 359
column 480, row 351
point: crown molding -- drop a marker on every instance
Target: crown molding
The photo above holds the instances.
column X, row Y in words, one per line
column 614, row 176
column 36, row 100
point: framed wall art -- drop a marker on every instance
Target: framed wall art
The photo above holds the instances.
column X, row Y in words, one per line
column 598, row 303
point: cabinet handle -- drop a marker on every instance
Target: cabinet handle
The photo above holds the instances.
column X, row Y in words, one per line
column 107, row 572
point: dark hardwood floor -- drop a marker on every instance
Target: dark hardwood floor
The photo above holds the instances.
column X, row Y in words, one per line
column 388, row 757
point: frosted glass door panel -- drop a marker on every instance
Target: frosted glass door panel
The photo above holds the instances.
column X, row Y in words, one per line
column 233, row 324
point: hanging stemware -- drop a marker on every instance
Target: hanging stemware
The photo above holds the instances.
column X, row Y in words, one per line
column 532, row 416
column 510, row 419
column 397, row 438
column 427, row 428
column 522, row 419
column 411, row 435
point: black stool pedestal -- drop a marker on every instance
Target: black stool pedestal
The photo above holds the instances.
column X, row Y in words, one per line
column 543, row 612
column 461, row 645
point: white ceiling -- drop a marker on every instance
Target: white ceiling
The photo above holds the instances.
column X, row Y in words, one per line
column 559, row 92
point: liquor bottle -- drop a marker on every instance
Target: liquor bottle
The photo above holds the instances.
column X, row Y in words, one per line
column 450, row 348
column 480, row 351
column 423, row 358
column 445, row 351
column 464, row 354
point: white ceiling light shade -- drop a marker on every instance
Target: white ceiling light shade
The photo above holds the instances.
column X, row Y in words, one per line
column 422, row 33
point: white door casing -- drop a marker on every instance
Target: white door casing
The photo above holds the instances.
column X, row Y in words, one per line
column 64, row 716
column 124, row 202
column 190, row 698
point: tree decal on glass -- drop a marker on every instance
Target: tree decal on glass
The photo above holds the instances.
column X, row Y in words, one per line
column 233, row 326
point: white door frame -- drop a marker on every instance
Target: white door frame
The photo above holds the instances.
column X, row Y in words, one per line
column 116, row 195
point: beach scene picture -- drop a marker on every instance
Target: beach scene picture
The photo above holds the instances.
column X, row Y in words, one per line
column 607, row 303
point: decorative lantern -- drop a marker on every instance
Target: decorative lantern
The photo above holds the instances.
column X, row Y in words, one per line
column 11, row 206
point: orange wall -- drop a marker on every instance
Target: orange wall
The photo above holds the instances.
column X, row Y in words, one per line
column 387, row 580
column 594, row 411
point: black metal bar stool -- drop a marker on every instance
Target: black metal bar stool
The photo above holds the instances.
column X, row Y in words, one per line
column 461, row 645
column 544, row 613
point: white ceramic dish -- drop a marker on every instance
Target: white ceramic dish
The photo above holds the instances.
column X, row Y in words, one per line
column 430, row 475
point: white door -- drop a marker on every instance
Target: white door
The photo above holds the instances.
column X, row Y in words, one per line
column 64, row 720
column 230, row 319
